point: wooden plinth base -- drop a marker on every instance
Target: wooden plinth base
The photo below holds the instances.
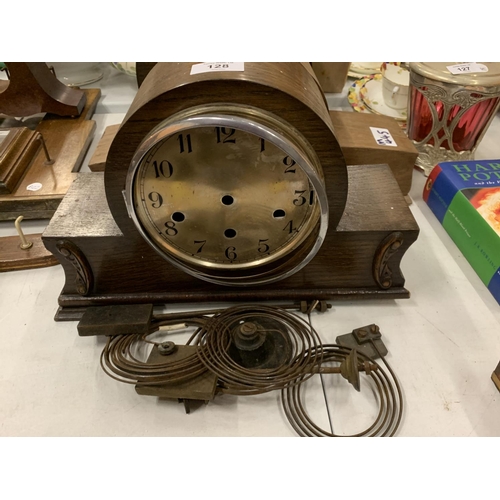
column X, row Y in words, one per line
column 41, row 189
column 360, row 259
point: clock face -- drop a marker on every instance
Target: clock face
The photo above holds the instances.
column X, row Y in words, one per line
column 223, row 198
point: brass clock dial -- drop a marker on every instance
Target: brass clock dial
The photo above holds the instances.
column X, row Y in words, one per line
column 231, row 195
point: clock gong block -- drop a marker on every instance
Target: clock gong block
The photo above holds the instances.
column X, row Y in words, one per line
column 229, row 185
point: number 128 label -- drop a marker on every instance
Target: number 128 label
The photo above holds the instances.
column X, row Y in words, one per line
column 208, row 67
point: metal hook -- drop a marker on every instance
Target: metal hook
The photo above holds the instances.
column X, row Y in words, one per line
column 25, row 244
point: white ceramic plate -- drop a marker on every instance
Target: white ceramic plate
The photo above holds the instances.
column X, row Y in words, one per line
column 354, row 98
column 358, row 69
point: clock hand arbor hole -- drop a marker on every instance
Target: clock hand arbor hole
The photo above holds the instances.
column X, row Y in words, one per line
column 178, row 216
column 227, row 200
column 230, row 233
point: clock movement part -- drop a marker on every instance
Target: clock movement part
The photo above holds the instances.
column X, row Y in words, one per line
column 366, row 339
column 245, row 350
column 259, row 343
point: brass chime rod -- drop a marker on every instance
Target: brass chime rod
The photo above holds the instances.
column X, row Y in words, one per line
column 337, row 369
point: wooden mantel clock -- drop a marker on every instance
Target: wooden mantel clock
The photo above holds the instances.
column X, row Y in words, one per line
column 227, row 183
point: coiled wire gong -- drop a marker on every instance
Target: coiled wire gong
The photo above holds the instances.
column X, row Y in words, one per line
column 253, row 350
column 388, row 390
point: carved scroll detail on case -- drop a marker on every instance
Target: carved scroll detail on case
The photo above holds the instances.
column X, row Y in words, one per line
column 84, row 277
column 382, row 273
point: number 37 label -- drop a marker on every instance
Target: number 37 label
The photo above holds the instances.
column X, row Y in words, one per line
column 208, row 67
column 466, row 68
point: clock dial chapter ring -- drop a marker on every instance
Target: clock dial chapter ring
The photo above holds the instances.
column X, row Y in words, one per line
column 231, row 195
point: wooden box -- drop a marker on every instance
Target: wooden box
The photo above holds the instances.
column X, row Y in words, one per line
column 331, row 75
column 17, row 150
column 360, row 147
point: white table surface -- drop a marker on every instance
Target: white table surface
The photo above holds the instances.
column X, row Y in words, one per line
column 443, row 342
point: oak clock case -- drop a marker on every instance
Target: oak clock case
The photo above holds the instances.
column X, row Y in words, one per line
column 244, row 198
column 229, row 186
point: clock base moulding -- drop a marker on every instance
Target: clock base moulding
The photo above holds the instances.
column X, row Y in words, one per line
column 359, row 259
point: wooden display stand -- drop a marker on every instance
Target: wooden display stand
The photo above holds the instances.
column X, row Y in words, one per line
column 14, row 258
column 33, row 88
column 38, row 190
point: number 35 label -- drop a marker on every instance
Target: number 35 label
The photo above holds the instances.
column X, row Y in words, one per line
column 466, row 68
column 208, row 67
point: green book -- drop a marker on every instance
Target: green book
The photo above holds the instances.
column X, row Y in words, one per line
column 465, row 197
